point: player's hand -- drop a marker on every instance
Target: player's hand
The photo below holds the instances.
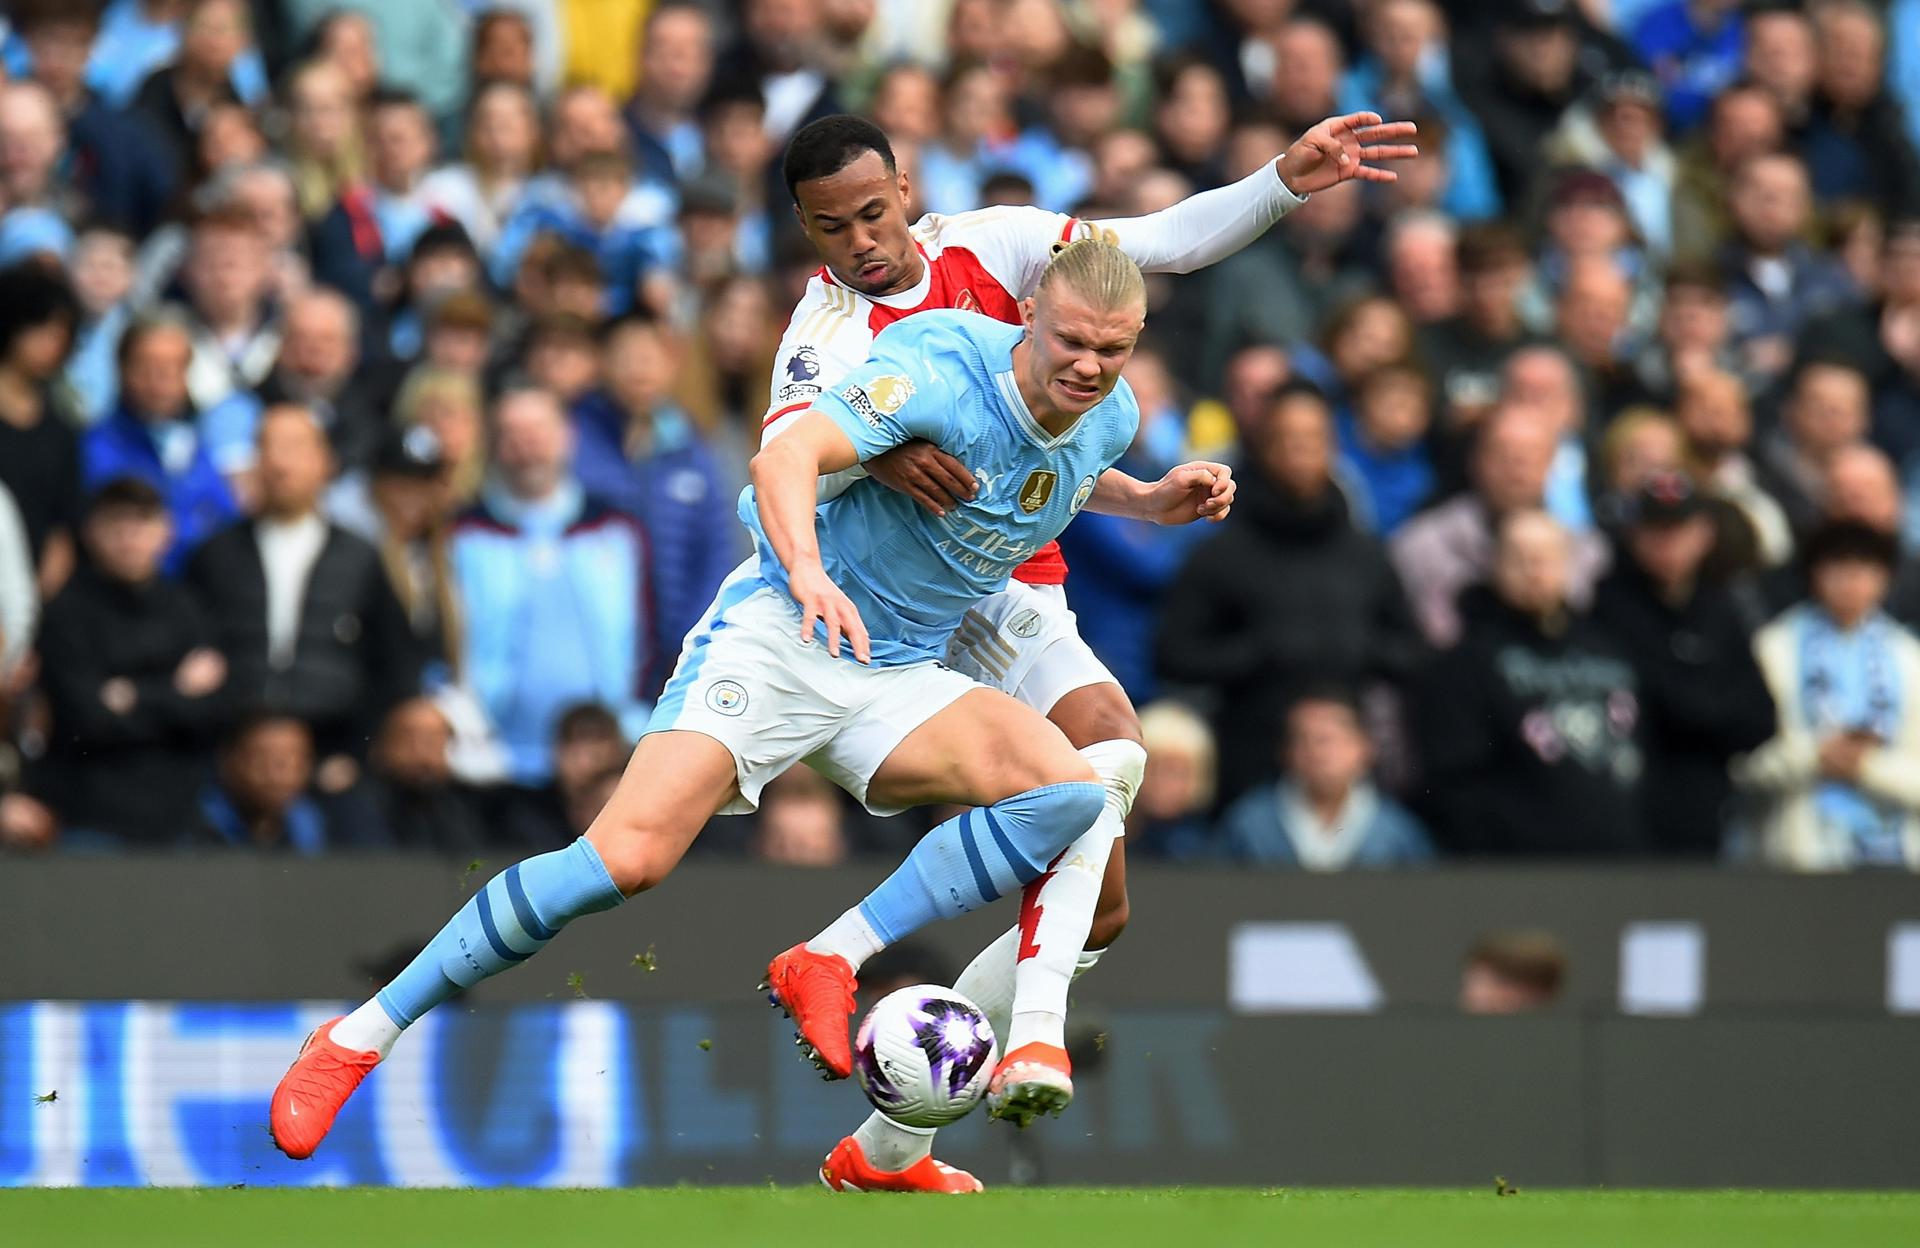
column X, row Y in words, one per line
column 926, row 474
column 1196, row 491
column 820, row 599
column 1341, row 148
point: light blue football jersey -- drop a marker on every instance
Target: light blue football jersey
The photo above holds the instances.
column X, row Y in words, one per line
column 947, row 377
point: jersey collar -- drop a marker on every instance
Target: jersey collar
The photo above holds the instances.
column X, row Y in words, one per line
column 1035, row 431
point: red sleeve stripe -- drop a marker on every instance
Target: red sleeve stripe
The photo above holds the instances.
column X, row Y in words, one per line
column 1066, row 235
column 788, row 410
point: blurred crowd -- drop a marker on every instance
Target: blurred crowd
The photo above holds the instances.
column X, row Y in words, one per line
column 377, row 381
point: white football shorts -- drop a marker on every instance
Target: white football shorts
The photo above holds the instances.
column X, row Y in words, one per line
column 1025, row 642
column 747, row 680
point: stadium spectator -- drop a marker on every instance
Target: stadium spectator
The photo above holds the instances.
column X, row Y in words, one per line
column 1171, row 815
column 1776, row 282
column 441, row 265
column 1882, row 340
column 228, row 280
column 449, row 405
column 1512, row 973
column 1519, row 93
column 676, row 64
column 483, row 189
column 588, row 743
column 516, row 41
column 1824, row 410
column 1419, row 251
column 1836, row 787
column 1290, row 592
column 319, row 367
column 261, row 796
column 1702, row 697
column 102, row 275
column 345, row 39
column 36, row 146
column 1640, row 444
column 638, row 451
column 324, row 139
column 421, row 45
column 1119, row 570
column 213, row 36
column 1745, row 121
column 1620, row 134
column 1408, row 72
column 621, row 222
column 151, row 434
column 1465, row 354
column 404, row 506
column 39, row 455
column 19, row 602
column 304, row 615
column 1693, row 334
column 360, row 243
column 1324, row 814
column 801, row 822
column 1443, row 551
column 1855, row 144
column 1858, row 487
column 1529, row 729
column 1715, row 419
column 779, row 51
column 1385, row 451
column 131, row 677
column 1693, row 47
column 551, row 585
column 410, row 795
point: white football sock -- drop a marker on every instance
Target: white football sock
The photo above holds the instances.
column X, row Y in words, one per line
column 890, row 1146
column 850, row 936
column 366, row 1028
column 1057, row 910
column 1056, row 913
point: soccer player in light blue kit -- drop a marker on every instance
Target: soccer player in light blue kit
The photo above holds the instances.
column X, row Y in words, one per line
column 826, row 648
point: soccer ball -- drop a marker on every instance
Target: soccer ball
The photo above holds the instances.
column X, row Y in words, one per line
column 923, row 1055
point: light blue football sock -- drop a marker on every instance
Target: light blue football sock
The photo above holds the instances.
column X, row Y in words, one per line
column 981, row 856
column 504, row 924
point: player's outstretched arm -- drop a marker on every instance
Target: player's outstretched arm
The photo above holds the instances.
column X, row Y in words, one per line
column 786, row 480
column 1198, row 491
column 1206, row 228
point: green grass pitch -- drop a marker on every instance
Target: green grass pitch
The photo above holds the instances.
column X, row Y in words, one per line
column 802, row 1218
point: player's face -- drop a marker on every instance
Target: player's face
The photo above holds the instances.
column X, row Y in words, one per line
column 1078, row 349
column 857, row 220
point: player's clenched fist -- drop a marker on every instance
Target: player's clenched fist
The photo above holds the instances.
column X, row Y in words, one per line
column 1196, row 491
column 820, row 599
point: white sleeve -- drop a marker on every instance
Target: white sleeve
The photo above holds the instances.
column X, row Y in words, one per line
column 1206, row 228
column 827, row 338
column 19, row 599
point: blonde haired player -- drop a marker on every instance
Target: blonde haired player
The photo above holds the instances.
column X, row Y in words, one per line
column 878, row 269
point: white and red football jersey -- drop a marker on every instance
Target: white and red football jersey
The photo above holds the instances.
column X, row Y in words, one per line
column 985, row 261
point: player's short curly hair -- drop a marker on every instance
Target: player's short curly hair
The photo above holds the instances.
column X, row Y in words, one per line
column 824, row 147
column 1097, row 270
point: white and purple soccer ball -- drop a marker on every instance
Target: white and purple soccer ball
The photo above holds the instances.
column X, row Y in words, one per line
column 923, row 1055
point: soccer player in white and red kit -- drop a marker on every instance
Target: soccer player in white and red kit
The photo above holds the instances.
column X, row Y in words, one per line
column 852, row 201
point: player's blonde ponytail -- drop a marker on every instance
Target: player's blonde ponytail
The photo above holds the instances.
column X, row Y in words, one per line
column 1097, row 271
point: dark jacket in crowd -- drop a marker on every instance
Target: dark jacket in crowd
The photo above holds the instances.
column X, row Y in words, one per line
column 1290, row 594
column 356, row 419
column 440, row 818
column 1702, row 701
column 136, row 775
column 354, row 657
column 1530, row 738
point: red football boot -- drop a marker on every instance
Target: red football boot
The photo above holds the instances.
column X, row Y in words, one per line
column 847, row 1169
column 816, row 991
column 313, row 1090
column 1032, row 1080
